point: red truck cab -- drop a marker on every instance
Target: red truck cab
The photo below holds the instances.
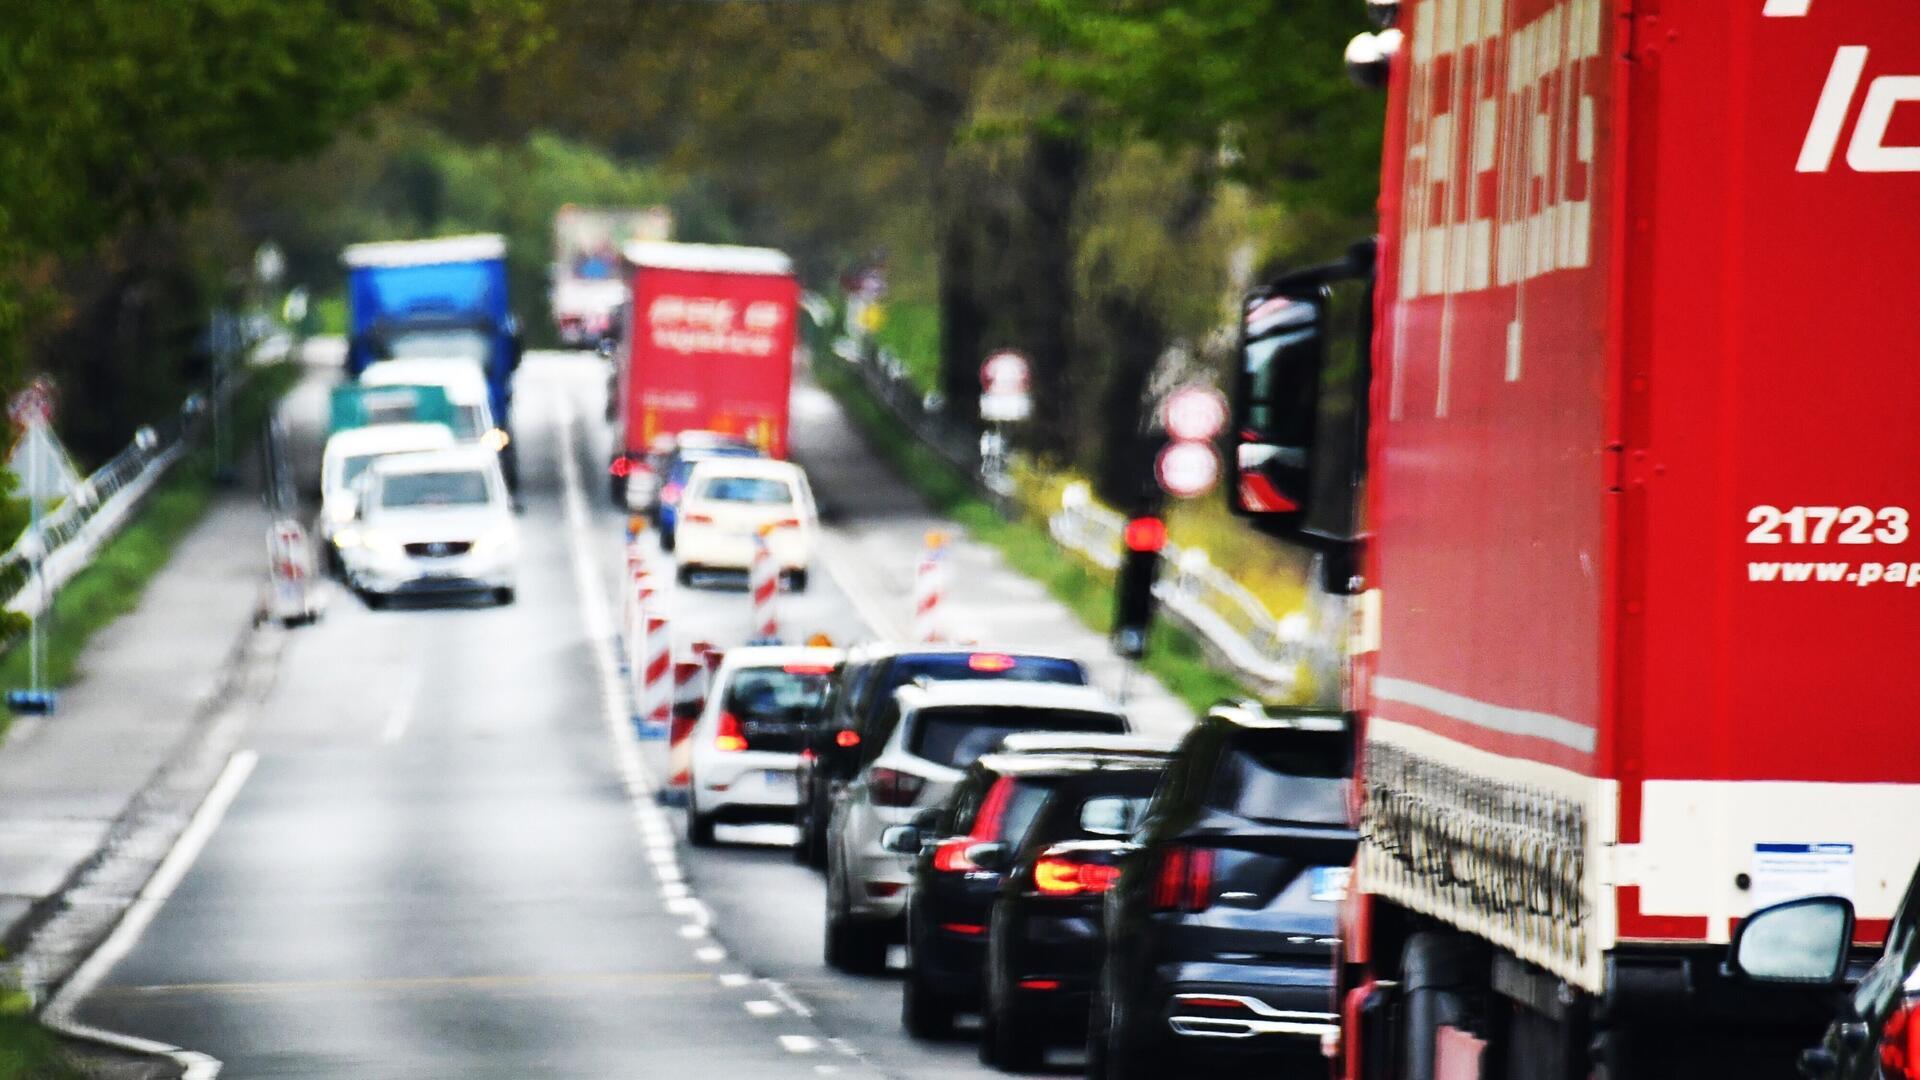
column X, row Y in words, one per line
column 1623, row 482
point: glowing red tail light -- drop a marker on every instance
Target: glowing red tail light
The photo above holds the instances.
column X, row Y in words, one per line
column 891, row 787
column 1056, row 875
column 951, row 856
column 731, row 737
column 787, row 523
column 620, row 466
column 1900, row 1044
column 991, row 662
column 699, row 519
column 1186, row 880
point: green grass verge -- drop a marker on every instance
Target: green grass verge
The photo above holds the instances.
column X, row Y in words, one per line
column 1173, row 655
column 912, row 332
column 112, row 584
column 27, row 1050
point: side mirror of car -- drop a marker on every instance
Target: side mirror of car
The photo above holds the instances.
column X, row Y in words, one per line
column 994, row 856
column 901, row 840
column 1797, row 941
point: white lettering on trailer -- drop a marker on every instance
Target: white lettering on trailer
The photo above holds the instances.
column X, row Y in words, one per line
column 1868, row 151
column 1499, row 178
column 1787, row 9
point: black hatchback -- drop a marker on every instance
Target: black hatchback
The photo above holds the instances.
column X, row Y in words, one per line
column 1221, row 925
column 965, row 845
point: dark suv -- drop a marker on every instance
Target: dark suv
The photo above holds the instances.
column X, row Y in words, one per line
column 1221, row 925
column 965, row 845
column 863, row 713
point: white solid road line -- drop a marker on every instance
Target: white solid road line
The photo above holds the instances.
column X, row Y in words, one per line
column 59, row 1014
column 403, row 709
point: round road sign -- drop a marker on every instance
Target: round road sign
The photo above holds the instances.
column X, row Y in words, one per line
column 1187, row 468
column 1004, row 372
column 1194, row 413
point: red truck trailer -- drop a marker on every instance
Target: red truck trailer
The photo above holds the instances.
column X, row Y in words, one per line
column 1622, row 474
column 708, row 345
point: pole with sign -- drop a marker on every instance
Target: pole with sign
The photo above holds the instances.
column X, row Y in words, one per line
column 1004, row 378
column 31, row 411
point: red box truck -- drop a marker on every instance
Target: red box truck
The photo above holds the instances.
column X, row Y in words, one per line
column 707, row 345
column 1618, row 453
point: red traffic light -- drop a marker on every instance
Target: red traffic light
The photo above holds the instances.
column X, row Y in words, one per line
column 1146, row 534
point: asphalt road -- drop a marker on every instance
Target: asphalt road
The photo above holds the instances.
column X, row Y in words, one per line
column 445, row 863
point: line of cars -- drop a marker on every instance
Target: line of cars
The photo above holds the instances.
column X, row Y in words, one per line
column 414, row 500
column 1047, row 869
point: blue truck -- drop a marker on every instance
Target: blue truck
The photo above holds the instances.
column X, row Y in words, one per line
column 439, row 299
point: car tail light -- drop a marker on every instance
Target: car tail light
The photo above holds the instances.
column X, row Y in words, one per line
column 620, row 466
column 808, row 669
column 1039, row 984
column 1900, row 1044
column 787, row 523
column 846, row 738
column 731, row 737
column 891, row 787
column 1186, row 880
column 699, row 519
column 670, row 494
column 951, row 856
column 963, row 929
column 1057, row 875
column 992, row 662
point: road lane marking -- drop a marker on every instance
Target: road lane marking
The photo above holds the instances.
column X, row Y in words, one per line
column 710, row 954
column 760, row 1009
column 401, row 714
column 799, row 1044
column 60, row 1013
column 421, row 982
column 779, row 992
column 734, row 980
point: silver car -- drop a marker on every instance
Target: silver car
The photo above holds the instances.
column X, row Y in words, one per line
column 943, row 727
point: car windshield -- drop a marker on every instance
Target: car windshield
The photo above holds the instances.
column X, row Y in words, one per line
column 351, row 468
column 794, row 693
column 469, row 422
column 418, row 490
column 751, row 490
column 439, row 345
column 957, row 735
column 1304, row 781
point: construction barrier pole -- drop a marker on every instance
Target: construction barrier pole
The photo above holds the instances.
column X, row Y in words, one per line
column 763, row 583
column 929, row 583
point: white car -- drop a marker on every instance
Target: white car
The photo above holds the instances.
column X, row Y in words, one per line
column 432, row 523
column 747, row 742
column 943, row 728
column 729, row 500
column 466, row 387
column 348, row 454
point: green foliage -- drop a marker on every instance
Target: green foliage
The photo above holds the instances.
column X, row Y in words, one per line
column 912, row 332
column 1263, row 85
column 27, row 1050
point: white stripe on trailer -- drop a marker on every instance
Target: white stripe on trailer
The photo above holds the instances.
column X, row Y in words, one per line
column 715, row 258
column 447, row 249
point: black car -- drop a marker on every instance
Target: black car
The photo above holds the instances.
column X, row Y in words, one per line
column 1808, row 943
column 1044, row 930
column 1221, row 925
column 864, row 712
column 966, row 843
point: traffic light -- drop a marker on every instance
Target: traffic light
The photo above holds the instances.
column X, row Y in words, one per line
column 1139, row 569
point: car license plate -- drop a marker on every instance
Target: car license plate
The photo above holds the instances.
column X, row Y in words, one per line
column 776, row 778
column 1330, row 883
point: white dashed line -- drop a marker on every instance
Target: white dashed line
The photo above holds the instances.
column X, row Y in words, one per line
column 799, row 1044
column 710, row 954
column 761, row 1009
column 733, row 980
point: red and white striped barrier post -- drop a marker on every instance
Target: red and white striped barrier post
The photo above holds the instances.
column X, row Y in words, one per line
column 636, row 568
column 763, row 583
column 929, row 583
column 653, row 678
column 689, row 700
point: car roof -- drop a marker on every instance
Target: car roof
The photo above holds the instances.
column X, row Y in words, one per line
column 453, row 373
column 748, row 466
column 387, row 438
column 774, row 655
column 460, row 457
column 885, row 650
column 1257, row 717
column 1068, row 742
column 1007, row 693
column 1065, row 764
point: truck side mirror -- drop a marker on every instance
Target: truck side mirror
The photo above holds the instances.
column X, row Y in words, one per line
column 1796, row 941
column 1283, row 348
column 1300, row 410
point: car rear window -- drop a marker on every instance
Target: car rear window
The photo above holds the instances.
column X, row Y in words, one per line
column 753, row 490
column 957, row 736
column 1066, row 811
column 794, row 693
column 403, row 491
column 1304, row 780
